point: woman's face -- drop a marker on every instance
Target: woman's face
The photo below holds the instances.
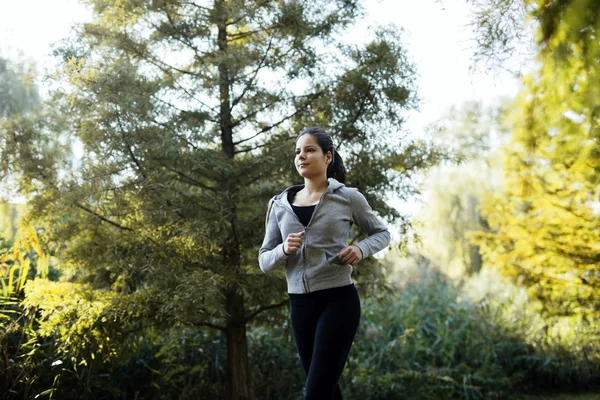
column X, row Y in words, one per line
column 310, row 160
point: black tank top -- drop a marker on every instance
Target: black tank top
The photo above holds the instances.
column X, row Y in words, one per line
column 303, row 212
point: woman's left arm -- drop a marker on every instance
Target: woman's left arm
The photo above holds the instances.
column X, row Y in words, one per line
column 378, row 234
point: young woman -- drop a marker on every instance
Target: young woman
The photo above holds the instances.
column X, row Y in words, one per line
column 307, row 230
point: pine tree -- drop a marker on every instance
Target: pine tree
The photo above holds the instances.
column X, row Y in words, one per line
column 187, row 114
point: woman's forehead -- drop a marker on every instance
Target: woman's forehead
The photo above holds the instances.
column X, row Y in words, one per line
column 306, row 140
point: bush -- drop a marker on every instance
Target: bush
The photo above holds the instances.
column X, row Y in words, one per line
column 428, row 341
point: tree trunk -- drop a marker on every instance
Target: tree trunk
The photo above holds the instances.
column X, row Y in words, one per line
column 240, row 387
column 224, row 86
column 238, row 372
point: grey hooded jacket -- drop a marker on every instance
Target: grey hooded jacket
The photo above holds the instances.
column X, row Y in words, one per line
column 315, row 265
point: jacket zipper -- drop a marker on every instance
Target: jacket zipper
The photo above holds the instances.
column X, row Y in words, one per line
column 304, row 281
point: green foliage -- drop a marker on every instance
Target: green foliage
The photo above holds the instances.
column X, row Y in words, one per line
column 452, row 192
column 186, row 115
column 19, row 101
column 428, row 341
column 426, row 344
column 587, row 396
column 431, row 341
column 75, row 317
column 160, row 364
column 19, row 263
column 503, row 33
column 23, row 360
column 278, row 373
column 181, row 150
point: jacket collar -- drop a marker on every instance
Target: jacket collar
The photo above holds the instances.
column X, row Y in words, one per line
column 332, row 185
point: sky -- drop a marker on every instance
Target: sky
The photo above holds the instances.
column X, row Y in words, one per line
column 436, row 34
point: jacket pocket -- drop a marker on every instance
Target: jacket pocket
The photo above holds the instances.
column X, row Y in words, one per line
column 322, row 268
column 332, row 259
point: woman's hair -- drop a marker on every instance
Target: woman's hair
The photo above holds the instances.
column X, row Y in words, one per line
column 336, row 168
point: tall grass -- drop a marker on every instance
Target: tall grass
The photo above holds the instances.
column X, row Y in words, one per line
column 432, row 340
column 22, row 357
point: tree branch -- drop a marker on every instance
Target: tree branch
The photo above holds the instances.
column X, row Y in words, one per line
column 253, row 113
column 268, row 128
column 181, row 136
column 163, row 66
column 265, row 308
column 188, row 179
column 187, row 41
column 235, row 21
column 249, row 84
column 133, row 158
column 192, row 97
column 190, row 3
column 242, row 35
column 104, row 218
column 210, row 325
column 247, row 149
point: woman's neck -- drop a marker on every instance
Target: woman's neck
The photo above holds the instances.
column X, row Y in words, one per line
column 314, row 186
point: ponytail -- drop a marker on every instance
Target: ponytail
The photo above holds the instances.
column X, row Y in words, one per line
column 336, row 168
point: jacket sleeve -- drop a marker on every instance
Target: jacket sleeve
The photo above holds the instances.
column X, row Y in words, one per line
column 271, row 253
column 378, row 234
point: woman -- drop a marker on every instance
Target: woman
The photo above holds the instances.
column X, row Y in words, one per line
column 307, row 230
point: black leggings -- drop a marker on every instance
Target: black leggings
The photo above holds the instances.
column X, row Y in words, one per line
column 324, row 324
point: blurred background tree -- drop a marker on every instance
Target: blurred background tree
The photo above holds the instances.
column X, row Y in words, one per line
column 18, row 94
column 453, row 192
column 545, row 222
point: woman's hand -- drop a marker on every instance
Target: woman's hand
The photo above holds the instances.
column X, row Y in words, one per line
column 350, row 255
column 293, row 242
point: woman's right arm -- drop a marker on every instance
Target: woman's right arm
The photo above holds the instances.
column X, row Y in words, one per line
column 271, row 253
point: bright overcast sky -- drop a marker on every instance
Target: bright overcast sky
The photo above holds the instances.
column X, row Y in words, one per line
column 437, row 37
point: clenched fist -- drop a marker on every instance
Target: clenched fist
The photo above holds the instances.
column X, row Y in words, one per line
column 293, row 242
column 351, row 255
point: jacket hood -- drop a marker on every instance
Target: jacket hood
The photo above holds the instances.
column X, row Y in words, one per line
column 333, row 184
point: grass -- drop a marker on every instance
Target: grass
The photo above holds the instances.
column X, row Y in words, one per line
column 562, row 396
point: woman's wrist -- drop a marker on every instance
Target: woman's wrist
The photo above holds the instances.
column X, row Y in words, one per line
column 362, row 255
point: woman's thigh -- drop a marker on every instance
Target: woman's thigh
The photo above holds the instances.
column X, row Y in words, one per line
column 304, row 315
column 335, row 331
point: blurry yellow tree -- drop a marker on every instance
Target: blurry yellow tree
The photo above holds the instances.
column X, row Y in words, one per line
column 546, row 223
